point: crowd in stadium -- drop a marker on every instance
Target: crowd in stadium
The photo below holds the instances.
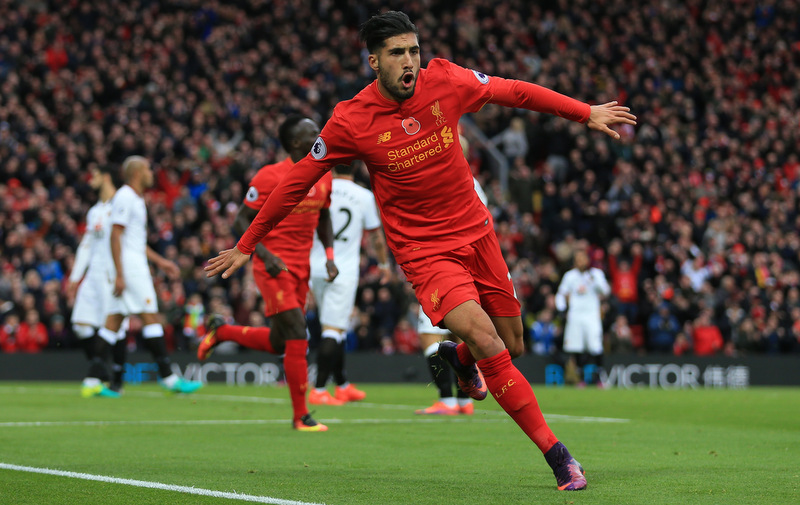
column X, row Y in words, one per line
column 694, row 216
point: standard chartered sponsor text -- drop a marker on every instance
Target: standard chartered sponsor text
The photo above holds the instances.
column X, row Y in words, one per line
column 419, row 151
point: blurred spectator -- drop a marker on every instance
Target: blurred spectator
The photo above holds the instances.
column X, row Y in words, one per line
column 405, row 339
column 58, row 335
column 746, row 337
column 544, row 333
column 620, row 336
column 662, row 330
column 32, row 335
column 682, row 345
column 625, row 280
column 365, row 337
column 9, row 333
column 773, row 335
column 384, row 318
column 706, row 337
column 48, row 267
column 513, row 140
column 194, row 318
column 697, row 271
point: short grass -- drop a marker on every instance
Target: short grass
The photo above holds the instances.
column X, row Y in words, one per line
column 638, row 447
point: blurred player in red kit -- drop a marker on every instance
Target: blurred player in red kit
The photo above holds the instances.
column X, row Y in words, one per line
column 281, row 268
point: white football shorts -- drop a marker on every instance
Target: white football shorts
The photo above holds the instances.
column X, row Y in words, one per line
column 139, row 296
column 424, row 325
column 335, row 300
column 93, row 299
column 584, row 335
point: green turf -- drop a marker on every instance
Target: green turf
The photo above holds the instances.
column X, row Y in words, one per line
column 692, row 447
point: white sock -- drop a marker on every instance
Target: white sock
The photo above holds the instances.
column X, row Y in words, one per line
column 91, row 382
column 430, row 349
column 154, row 330
column 464, row 401
column 450, row 401
column 83, row 331
column 171, row 380
column 107, row 335
column 336, row 335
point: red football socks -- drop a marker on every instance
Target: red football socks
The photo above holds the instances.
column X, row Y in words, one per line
column 464, row 355
column 295, row 366
column 252, row 337
column 514, row 393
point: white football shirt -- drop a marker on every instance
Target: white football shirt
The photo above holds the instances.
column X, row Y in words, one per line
column 353, row 210
column 93, row 256
column 583, row 291
column 129, row 210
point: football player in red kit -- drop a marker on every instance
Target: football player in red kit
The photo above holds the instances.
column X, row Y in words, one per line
column 404, row 127
column 281, row 269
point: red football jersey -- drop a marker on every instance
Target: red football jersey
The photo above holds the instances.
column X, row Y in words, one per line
column 291, row 240
column 421, row 180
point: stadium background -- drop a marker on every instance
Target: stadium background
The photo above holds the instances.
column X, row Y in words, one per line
column 704, row 191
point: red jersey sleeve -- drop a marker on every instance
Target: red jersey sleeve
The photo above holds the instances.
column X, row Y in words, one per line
column 332, row 147
column 259, row 190
column 476, row 89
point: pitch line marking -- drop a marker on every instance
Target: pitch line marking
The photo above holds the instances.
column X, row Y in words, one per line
column 157, row 485
column 283, row 401
column 206, row 422
column 209, row 422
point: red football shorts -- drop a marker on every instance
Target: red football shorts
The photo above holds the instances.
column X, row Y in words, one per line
column 285, row 292
column 473, row 272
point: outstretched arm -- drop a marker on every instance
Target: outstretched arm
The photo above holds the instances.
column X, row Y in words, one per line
column 287, row 194
column 272, row 263
column 284, row 198
column 602, row 116
column 516, row 93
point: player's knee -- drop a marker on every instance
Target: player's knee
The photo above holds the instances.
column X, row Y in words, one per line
column 516, row 349
column 295, row 332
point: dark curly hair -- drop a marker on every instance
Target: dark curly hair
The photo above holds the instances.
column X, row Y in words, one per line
column 380, row 27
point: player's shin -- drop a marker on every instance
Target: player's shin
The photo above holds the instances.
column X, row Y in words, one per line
column 327, row 359
column 339, row 375
column 295, row 366
column 119, row 354
column 441, row 374
column 154, row 342
column 514, row 393
column 86, row 335
column 98, row 367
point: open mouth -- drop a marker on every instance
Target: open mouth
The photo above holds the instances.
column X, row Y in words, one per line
column 407, row 79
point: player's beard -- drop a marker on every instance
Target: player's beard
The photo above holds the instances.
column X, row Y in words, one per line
column 395, row 87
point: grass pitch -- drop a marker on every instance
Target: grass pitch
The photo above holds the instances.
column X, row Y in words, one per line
column 228, row 445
